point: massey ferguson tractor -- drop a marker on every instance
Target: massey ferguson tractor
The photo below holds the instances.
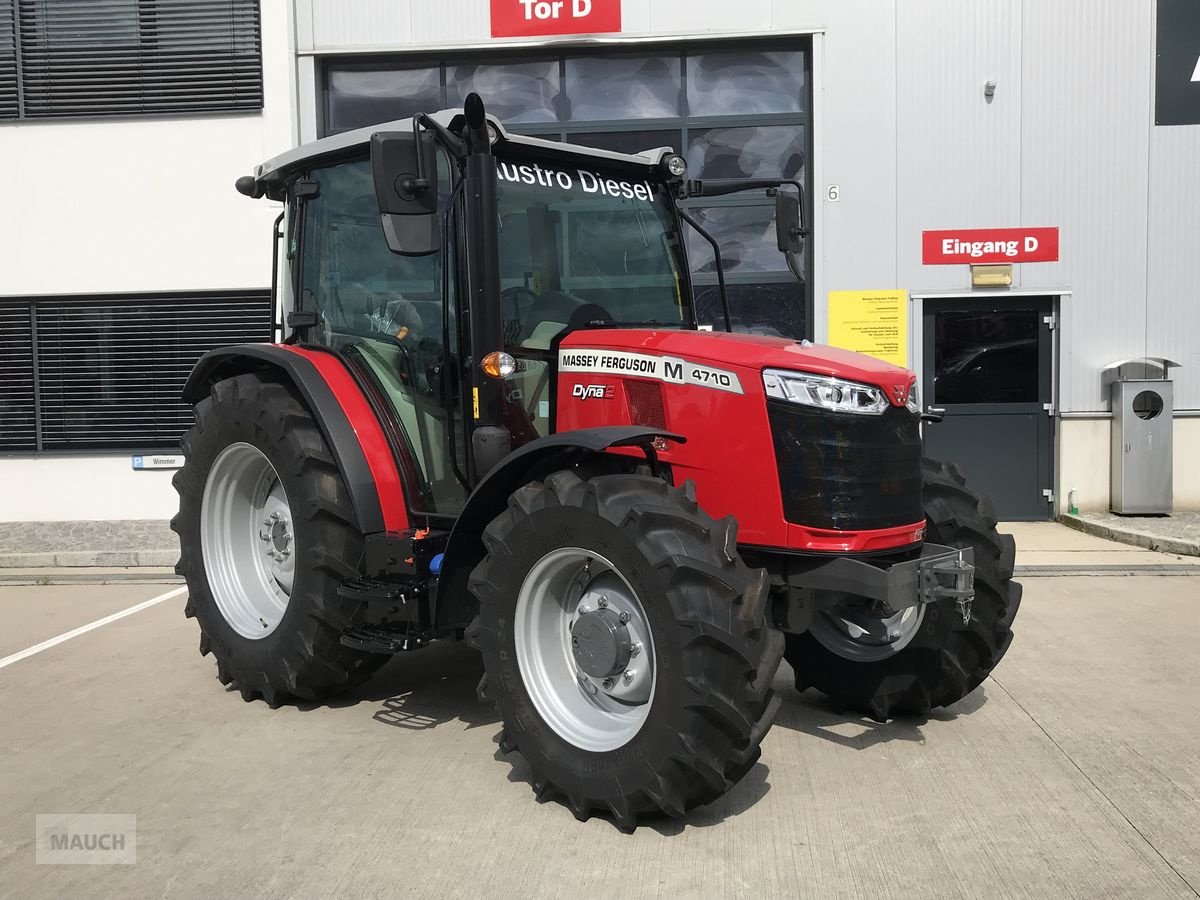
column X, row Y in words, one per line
column 495, row 416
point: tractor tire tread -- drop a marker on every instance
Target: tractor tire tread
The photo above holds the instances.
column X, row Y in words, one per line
column 731, row 704
column 938, row 675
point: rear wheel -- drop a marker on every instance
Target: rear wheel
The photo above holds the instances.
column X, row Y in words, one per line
column 624, row 644
column 886, row 664
column 266, row 533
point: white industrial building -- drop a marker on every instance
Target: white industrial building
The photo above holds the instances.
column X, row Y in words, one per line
column 124, row 248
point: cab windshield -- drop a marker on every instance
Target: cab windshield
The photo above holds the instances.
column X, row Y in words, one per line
column 583, row 245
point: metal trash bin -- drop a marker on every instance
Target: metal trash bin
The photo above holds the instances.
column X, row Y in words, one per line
column 1142, row 457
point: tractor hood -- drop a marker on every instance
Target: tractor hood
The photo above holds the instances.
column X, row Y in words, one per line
column 749, row 351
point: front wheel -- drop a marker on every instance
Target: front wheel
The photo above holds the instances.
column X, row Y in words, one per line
column 624, row 644
column 924, row 656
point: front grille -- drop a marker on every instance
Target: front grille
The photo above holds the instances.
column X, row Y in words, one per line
column 847, row 471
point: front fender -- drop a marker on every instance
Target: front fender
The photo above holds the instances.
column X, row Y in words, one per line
column 465, row 548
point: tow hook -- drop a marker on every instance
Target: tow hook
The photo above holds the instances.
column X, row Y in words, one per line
column 950, row 579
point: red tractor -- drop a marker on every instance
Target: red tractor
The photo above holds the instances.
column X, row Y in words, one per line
column 496, row 417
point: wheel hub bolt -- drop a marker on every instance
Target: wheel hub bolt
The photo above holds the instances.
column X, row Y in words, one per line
column 635, row 649
column 603, row 601
column 628, row 676
column 608, row 683
column 624, row 617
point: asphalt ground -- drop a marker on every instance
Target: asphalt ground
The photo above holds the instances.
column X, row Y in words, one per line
column 1072, row 773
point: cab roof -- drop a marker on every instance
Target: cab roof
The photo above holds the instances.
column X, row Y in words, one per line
column 276, row 169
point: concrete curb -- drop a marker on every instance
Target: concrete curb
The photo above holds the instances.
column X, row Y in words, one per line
column 1134, row 536
column 123, row 559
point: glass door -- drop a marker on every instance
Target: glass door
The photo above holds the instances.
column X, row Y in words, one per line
column 988, row 366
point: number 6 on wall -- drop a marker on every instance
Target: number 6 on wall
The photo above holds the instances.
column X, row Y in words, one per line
column 833, row 193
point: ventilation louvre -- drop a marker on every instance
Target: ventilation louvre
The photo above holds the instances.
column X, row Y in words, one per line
column 110, row 370
column 129, row 57
column 645, row 401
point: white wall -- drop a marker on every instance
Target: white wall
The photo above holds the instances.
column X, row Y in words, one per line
column 142, row 204
column 1084, row 462
column 136, row 204
column 66, row 488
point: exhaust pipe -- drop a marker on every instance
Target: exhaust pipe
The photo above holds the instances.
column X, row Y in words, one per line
column 490, row 440
column 479, row 140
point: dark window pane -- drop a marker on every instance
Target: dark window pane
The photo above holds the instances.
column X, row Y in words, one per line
column 629, row 141
column 8, row 66
column 775, row 309
column 622, row 88
column 986, row 357
column 358, row 98
column 745, row 83
column 746, row 235
column 16, row 385
column 111, row 369
column 518, row 92
column 767, row 152
column 128, row 57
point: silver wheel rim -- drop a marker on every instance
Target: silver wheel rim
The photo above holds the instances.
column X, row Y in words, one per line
column 851, row 630
column 247, row 540
column 566, row 594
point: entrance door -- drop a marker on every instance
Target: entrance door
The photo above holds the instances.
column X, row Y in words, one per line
column 988, row 365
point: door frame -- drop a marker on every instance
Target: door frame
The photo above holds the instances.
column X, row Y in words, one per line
column 1056, row 296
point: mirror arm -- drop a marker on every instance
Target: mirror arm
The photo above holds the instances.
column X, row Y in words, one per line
column 448, row 139
column 719, row 187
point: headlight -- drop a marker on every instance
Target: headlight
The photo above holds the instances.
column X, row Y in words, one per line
column 825, row 393
column 914, row 399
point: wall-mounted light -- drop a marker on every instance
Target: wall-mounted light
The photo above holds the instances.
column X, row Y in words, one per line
column 989, row 90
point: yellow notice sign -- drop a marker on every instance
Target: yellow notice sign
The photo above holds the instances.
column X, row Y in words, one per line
column 871, row 322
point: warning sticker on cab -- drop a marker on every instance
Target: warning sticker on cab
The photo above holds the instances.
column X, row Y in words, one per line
column 669, row 369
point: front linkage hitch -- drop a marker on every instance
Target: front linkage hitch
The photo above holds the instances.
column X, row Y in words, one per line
column 939, row 573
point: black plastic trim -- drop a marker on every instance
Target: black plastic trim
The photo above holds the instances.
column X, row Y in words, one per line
column 228, row 362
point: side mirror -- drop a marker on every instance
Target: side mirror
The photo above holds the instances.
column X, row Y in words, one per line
column 789, row 231
column 406, row 178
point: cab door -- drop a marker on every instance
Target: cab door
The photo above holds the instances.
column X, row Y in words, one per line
column 387, row 315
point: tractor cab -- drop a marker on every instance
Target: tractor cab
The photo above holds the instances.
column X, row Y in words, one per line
column 394, row 264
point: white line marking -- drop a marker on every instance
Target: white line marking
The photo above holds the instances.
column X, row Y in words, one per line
column 1196, row 72
column 91, row 626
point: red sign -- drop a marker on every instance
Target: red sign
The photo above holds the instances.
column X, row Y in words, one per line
column 975, row 246
column 532, row 18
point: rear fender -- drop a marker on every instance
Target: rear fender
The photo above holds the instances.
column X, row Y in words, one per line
column 342, row 412
column 456, row 606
